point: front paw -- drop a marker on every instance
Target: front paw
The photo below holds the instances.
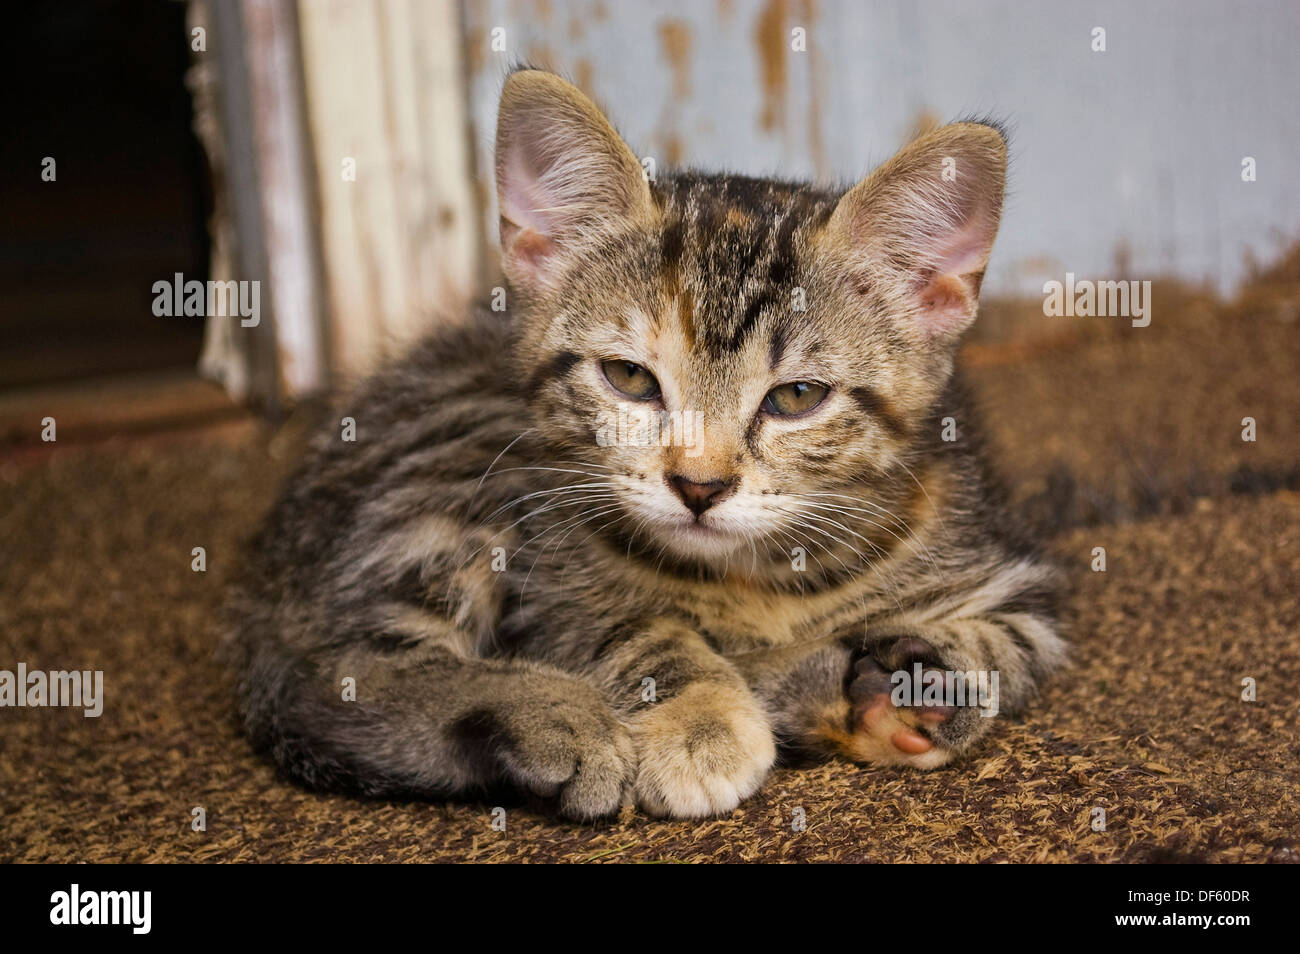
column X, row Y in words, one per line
column 894, row 720
column 701, row 752
column 560, row 742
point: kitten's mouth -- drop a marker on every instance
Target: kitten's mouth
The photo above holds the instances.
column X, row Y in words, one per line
column 697, row 525
column 678, row 529
column 700, row 537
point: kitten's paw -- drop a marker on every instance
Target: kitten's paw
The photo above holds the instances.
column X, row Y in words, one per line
column 701, row 752
column 578, row 754
column 921, row 735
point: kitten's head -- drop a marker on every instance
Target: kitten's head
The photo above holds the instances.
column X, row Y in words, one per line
column 733, row 352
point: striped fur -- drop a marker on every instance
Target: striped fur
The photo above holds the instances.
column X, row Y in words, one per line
column 522, row 606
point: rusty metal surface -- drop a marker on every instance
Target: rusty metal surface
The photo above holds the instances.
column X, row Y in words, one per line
column 1134, row 153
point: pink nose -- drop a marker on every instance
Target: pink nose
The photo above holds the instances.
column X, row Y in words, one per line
column 700, row 496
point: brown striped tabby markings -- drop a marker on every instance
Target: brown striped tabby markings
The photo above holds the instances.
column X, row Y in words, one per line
column 535, row 593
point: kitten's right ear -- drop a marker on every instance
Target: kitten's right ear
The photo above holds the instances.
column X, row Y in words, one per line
column 564, row 177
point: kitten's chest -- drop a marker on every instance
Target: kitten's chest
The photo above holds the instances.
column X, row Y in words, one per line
column 738, row 617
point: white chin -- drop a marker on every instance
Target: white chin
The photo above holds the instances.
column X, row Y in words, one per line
column 702, row 541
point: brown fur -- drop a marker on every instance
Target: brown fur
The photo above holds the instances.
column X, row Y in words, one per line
column 851, row 539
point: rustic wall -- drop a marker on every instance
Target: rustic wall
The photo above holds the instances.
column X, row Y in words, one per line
column 398, row 218
column 1136, row 148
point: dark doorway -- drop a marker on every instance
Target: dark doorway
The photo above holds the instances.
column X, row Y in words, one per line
column 100, row 88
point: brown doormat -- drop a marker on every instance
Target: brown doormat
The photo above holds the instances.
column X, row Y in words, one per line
column 1147, row 726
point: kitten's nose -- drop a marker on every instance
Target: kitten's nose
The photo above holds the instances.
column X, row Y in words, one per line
column 698, row 496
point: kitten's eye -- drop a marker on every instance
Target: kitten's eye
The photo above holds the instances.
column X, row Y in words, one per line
column 631, row 379
column 794, row 398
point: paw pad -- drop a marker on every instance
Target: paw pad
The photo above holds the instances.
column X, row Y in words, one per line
column 886, row 732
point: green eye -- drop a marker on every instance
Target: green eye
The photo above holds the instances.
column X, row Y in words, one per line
column 631, row 379
column 794, row 398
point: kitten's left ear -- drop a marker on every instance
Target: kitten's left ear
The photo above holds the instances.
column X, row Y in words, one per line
column 925, row 222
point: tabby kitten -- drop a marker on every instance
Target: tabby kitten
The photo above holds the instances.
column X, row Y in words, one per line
column 536, row 586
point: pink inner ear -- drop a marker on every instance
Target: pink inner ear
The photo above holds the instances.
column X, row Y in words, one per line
column 528, row 233
column 522, row 196
column 947, row 291
column 529, row 250
column 964, row 250
column 947, row 305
